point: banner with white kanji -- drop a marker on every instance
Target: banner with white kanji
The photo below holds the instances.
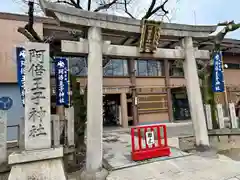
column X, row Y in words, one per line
column 218, row 75
column 62, row 86
column 20, row 55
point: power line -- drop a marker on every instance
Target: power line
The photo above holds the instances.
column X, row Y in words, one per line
column 195, row 17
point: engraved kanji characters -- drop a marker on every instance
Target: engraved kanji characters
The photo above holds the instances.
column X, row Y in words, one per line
column 37, row 112
column 36, row 116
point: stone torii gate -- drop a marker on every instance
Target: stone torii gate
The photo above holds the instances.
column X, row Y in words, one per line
column 95, row 48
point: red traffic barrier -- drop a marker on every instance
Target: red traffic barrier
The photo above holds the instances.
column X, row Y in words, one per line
column 151, row 143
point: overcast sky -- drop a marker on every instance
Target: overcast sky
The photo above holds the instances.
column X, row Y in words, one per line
column 208, row 12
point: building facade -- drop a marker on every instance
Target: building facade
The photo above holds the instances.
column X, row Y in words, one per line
column 159, row 85
column 8, row 67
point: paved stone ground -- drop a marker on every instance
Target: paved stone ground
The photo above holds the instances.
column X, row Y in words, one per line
column 173, row 129
column 191, row 167
column 117, row 150
column 185, row 168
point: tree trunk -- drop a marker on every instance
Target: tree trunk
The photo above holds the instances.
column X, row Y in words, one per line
column 80, row 111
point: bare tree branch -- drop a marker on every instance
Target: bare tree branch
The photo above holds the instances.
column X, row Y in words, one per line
column 164, row 16
column 150, row 8
column 33, row 33
column 169, row 20
column 89, row 5
column 24, row 32
column 71, row 3
column 76, row 4
column 129, row 7
column 27, row 1
column 65, row 2
column 29, row 26
column 126, row 9
column 162, row 7
column 105, row 6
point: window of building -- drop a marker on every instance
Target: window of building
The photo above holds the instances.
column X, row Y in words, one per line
column 148, row 68
column 78, row 67
column 175, row 71
column 116, row 67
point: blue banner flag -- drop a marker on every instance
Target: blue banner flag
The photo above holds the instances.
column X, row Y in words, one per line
column 21, row 54
column 61, row 74
column 218, row 77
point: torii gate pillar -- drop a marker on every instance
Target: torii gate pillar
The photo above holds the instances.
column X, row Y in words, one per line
column 94, row 153
column 194, row 95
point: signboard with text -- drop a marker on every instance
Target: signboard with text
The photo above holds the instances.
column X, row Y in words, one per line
column 150, row 36
column 150, row 138
column 218, row 77
column 62, row 86
column 37, row 97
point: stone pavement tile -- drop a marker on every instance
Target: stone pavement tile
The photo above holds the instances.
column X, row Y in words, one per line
column 116, row 178
column 238, row 176
column 117, row 150
column 212, row 174
column 187, row 168
column 220, row 170
column 191, row 163
column 142, row 172
column 157, row 171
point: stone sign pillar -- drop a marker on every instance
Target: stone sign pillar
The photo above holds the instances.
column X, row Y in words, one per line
column 220, row 116
column 194, row 94
column 208, row 116
column 37, row 101
column 233, row 116
column 3, row 136
column 40, row 161
column 56, row 130
column 94, row 152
